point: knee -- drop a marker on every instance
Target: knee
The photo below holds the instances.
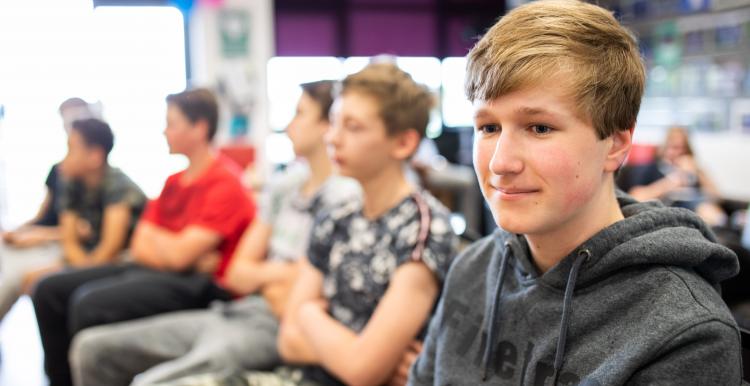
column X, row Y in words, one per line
column 86, row 310
column 89, row 355
column 85, row 350
column 45, row 293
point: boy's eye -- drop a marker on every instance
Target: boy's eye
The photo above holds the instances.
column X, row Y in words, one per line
column 488, row 129
column 352, row 127
column 541, row 129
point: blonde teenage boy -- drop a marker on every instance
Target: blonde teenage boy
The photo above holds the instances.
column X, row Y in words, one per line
column 582, row 285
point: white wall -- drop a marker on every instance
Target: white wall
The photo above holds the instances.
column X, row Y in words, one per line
column 245, row 76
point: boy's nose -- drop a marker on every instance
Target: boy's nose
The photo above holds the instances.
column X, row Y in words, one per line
column 507, row 156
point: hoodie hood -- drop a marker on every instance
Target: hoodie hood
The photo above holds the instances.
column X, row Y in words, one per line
column 650, row 234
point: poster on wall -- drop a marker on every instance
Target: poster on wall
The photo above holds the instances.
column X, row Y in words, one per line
column 234, row 31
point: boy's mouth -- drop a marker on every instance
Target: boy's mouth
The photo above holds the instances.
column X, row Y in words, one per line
column 514, row 193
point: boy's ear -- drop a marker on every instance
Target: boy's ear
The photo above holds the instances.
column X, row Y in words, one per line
column 202, row 125
column 406, row 143
column 622, row 140
column 96, row 157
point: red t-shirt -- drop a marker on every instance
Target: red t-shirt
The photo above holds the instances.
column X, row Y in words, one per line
column 216, row 200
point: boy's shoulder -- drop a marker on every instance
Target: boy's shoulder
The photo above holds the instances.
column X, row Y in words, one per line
column 473, row 261
column 338, row 190
column 681, row 295
column 340, row 211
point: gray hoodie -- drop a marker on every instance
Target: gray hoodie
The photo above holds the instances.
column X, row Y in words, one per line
column 635, row 304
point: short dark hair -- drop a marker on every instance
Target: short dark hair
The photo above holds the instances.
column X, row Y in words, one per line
column 322, row 93
column 198, row 104
column 95, row 133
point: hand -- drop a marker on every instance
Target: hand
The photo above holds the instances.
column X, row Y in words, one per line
column 8, row 236
column 401, row 375
column 24, row 239
column 209, row 263
column 686, row 163
column 83, row 230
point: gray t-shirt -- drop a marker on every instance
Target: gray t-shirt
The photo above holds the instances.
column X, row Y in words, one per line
column 89, row 203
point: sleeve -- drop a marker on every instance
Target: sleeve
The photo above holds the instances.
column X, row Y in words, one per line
column 152, row 212
column 321, row 241
column 441, row 245
column 226, row 209
column 68, row 195
column 422, row 372
column 122, row 190
column 705, row 354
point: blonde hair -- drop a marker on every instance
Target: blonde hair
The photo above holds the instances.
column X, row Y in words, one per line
column 576, row 41
column 403, row 104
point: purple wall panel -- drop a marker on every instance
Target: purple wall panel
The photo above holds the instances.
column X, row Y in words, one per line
column 392, row 32
column 305, row 35
column 391, row 2
column 461, row 36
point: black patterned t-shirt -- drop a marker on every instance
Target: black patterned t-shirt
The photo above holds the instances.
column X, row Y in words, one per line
column 358, row 256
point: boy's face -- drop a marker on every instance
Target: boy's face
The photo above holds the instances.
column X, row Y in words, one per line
column 540, row 166
column 80, row 159
column 358, row 141
column 182, row 135
column 307, row 128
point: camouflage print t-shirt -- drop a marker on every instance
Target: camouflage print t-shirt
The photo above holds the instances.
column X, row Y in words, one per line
column 89, row 203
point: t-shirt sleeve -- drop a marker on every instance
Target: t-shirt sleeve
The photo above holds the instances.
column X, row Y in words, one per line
column 321, row 237
column 440, row 246
column 121, row 190
column 227, row 209
column 68, row 195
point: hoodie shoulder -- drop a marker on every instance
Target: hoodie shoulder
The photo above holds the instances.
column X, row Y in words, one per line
column 473, row 261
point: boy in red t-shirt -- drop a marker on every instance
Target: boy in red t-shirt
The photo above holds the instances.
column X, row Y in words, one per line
column 181, row 245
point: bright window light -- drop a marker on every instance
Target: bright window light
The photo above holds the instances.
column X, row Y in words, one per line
column 285, row 74
column 126, row 58
column 138, row 68
column 457, row 111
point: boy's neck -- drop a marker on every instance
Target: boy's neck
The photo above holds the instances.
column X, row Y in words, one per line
column 95, row 177
column 199, row 160
column 321, row 169
column 550, row 248
column 384, row 191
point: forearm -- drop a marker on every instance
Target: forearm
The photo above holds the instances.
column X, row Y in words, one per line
column 277, row 296
column 248, row 277
column 157, row 248
column 339, row 349
column 104, row 253
column 143, row 250
column 654, row 190
column 293, row 345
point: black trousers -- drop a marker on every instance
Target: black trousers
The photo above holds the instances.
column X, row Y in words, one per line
column 68, row 302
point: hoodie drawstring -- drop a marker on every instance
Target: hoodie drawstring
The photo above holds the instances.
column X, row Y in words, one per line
column 565, row 321
column 492, row 333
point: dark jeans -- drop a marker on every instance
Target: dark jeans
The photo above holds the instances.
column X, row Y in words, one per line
column 68, row 302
